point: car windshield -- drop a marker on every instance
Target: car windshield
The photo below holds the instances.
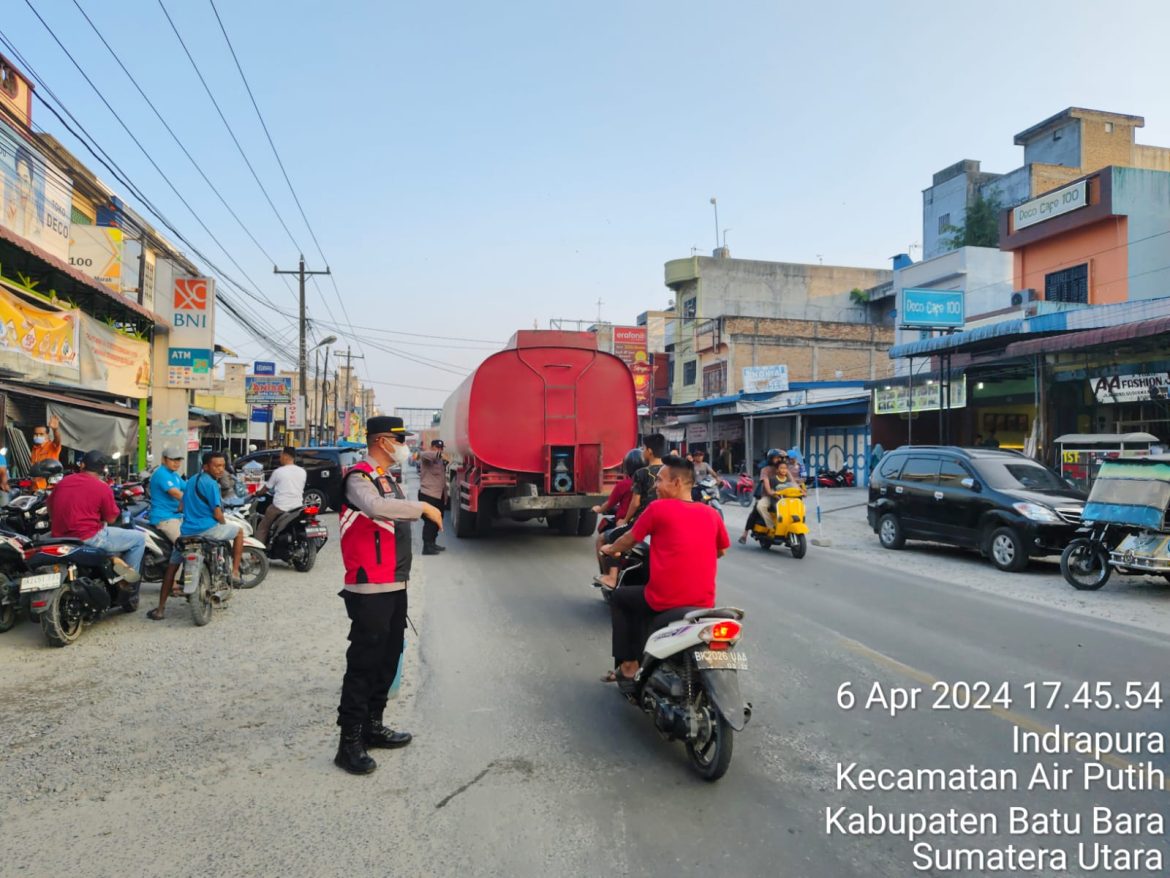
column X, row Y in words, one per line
column 1020, row 474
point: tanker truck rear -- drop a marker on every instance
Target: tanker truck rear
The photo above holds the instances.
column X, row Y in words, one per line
column 538, row 431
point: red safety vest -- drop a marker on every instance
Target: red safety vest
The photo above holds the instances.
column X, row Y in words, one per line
column 373, row 550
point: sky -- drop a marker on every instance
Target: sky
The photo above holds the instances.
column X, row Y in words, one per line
column 471, row 169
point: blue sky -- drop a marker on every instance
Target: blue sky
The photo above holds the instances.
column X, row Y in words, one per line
column 470, row 168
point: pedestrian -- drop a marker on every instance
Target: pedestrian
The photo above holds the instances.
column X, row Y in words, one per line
column 44, row 447
column 166, row 494
column 432, row 488
column 375, row 549
column 82, row 506
column 992, row 441
column 978, row 440
column 4, row 487
column 287, row 484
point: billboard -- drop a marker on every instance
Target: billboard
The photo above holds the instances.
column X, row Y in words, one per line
column 931, row 309
column 113, row 362
column 765, row 379
column 629, row 345
column 49, row 337
column 267, row 390
column 36, row 198
column 97, row 251
column 189, row 308
column 261, row 367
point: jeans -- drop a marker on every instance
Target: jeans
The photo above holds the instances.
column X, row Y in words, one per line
column 129, row 545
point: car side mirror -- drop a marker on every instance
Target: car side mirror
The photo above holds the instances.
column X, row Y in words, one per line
column 971, row 485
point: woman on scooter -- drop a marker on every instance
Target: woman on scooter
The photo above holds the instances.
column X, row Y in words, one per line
column 619, row 498
column 766, row 490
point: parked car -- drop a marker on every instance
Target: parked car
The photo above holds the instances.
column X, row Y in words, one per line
column 325, row 467
column 1005, row 505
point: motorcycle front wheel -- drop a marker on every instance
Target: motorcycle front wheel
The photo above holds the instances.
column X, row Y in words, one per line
column 1085, row 565
column 798, row 545
column 253, row 567
column 710, row 752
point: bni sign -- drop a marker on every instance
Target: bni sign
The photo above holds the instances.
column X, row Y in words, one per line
column 931, row 309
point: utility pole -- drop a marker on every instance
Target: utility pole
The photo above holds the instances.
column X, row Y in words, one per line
column 301, row 274
column 349, row 358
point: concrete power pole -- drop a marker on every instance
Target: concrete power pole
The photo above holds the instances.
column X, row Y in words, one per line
column 301, row 274
column 349, row 358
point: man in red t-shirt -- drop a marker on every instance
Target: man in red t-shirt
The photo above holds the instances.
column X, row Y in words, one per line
column 82, row 505
column 687, row 539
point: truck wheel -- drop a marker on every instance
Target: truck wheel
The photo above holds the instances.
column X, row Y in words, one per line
column 569, row 521
column 587, row 524
column 483, row 520
column 463, row 521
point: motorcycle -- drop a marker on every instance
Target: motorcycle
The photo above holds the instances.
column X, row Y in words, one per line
column 707, row 491
column 73, row 585
column 789, row 524
column 205, row 575
column 827, row 478
column 156, row 558
column 295, row 537
column 13, row 570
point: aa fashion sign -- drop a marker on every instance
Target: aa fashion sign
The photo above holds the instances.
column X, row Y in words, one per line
column 1130, row 388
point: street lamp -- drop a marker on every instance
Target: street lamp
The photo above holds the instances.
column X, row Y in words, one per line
column 715, row 204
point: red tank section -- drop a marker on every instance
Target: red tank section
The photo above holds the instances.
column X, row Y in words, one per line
column 547, row 389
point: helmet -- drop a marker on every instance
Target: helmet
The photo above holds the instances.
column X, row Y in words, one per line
column 633, row 461
column 773, row 452
column 46, row 469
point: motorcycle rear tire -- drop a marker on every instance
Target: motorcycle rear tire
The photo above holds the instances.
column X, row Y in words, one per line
column 765, row 543
column 1085, row 566
column 800, row 547
column 305, row 560
column 200, row 599
column 253, row 567
column 57, row 632
column 7, row 618
column 712, row 762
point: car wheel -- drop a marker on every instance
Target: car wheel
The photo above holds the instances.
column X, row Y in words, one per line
column 890, row 532
column 315, row 497
column 1007, row 550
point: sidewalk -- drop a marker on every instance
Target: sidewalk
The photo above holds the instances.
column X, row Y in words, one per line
column 1143, row 602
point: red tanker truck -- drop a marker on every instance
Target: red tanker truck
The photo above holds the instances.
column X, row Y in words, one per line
column 538, row 430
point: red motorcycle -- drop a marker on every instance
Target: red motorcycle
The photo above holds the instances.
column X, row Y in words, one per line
column 827, row 478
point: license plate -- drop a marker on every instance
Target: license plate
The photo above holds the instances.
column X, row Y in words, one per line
column 721, row 659
column 41, row 582
column 314, row 532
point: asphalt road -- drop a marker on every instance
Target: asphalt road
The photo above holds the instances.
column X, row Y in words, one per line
column 158, row 748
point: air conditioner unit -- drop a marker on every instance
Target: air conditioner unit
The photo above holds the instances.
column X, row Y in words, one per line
column 1020, row 297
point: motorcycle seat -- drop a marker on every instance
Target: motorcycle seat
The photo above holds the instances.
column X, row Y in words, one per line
column 187, row 541
column 46, row 539
column 715, row 613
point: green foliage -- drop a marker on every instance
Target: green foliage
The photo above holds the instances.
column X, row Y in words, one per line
column 858, row 296
column 980, row 227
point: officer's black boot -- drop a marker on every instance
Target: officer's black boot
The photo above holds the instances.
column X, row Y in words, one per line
column 377, row 735
column 351, row 752
column 430, row 549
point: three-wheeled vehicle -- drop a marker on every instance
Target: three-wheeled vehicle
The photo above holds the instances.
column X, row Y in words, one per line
column 1127, row 524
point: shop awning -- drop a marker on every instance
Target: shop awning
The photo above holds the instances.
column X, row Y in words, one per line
column 1075, row 341
column 732, row 399
column 971, row 339
column 66, row 399
column 858, row 406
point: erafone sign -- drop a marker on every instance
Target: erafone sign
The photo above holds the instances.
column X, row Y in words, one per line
column 1130, row 388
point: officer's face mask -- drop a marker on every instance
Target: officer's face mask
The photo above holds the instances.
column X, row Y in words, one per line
column 401, row 454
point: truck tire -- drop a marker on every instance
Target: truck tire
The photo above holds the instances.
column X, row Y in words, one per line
column 569, row 521
column 483, row 520
column 587, row 523
column 463, row 521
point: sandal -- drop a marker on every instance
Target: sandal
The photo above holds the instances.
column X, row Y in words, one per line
column 743, row 541
column 610, row 677
column 156, row 614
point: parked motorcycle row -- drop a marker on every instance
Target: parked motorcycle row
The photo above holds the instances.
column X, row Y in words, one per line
column 66, row 585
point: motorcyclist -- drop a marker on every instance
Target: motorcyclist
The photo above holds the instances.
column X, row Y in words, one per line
column 767, row 492
column 687, row 539
column 645, row 490
column 702, row 470
column 621, row 495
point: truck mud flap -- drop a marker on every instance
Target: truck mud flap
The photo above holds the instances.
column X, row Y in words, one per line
column 723, row 688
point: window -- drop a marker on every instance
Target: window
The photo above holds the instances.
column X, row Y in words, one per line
column 690, row 307
column 8, row 82
column 890, row 467
column 1108, row 127
column 920, row 469
column 944, row 223
column 715, row 380
column 1069, row 285
column 1057, row 134
column 951, row 473
column 689, row 372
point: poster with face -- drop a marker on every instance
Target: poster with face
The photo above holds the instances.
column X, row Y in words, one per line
column 36, row 197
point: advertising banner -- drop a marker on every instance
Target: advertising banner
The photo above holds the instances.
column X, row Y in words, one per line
column 267, row 390
column 1130, row 388
column 765, row 379
column 629, row 345
column 44, row 335
column 931, row 309
column 261, row 367
column 926, row 398
column 37, row 198
column 190, row 311
column 97, row 252
column 295, row 414
column 113, row 362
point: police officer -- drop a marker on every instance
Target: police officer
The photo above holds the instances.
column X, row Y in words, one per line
column 375, row 548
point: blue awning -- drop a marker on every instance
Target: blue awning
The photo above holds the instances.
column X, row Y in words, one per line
column 939, row 343
column 731, row 400
column 831, row 407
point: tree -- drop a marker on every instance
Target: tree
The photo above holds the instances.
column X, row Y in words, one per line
column 858, row 296
column 980, row 226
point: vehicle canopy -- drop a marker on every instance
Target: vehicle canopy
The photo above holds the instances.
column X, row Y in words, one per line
column 1131, row 492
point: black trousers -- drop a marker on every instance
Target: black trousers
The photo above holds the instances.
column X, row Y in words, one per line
column 377, row 624
column 430, row 529
column 631, row 615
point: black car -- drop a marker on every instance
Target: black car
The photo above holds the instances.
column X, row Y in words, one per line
column 1001, row 503
column 325, row 466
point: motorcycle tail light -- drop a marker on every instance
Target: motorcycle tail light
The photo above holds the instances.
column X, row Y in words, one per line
column 39, row 605
column 312, row 510
column 721, row 635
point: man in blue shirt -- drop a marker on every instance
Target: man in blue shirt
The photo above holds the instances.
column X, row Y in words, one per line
column 203, row 516
column 166, row 494
column 3, row 480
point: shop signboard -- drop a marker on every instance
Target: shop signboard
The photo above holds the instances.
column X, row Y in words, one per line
column 1053, row 204
column 1130, row 388
column 37, row 196
column 261, row 367
column 931, row 309
column 698, row 433
column 629, row 345
column 731, row 430
column 96, row 251
column 923, row 398
column 295, row 414
column 765, row 379
column 267, row 390
column 261, row 414
column 113, row 362
column 49, row 337
column 189, row 308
